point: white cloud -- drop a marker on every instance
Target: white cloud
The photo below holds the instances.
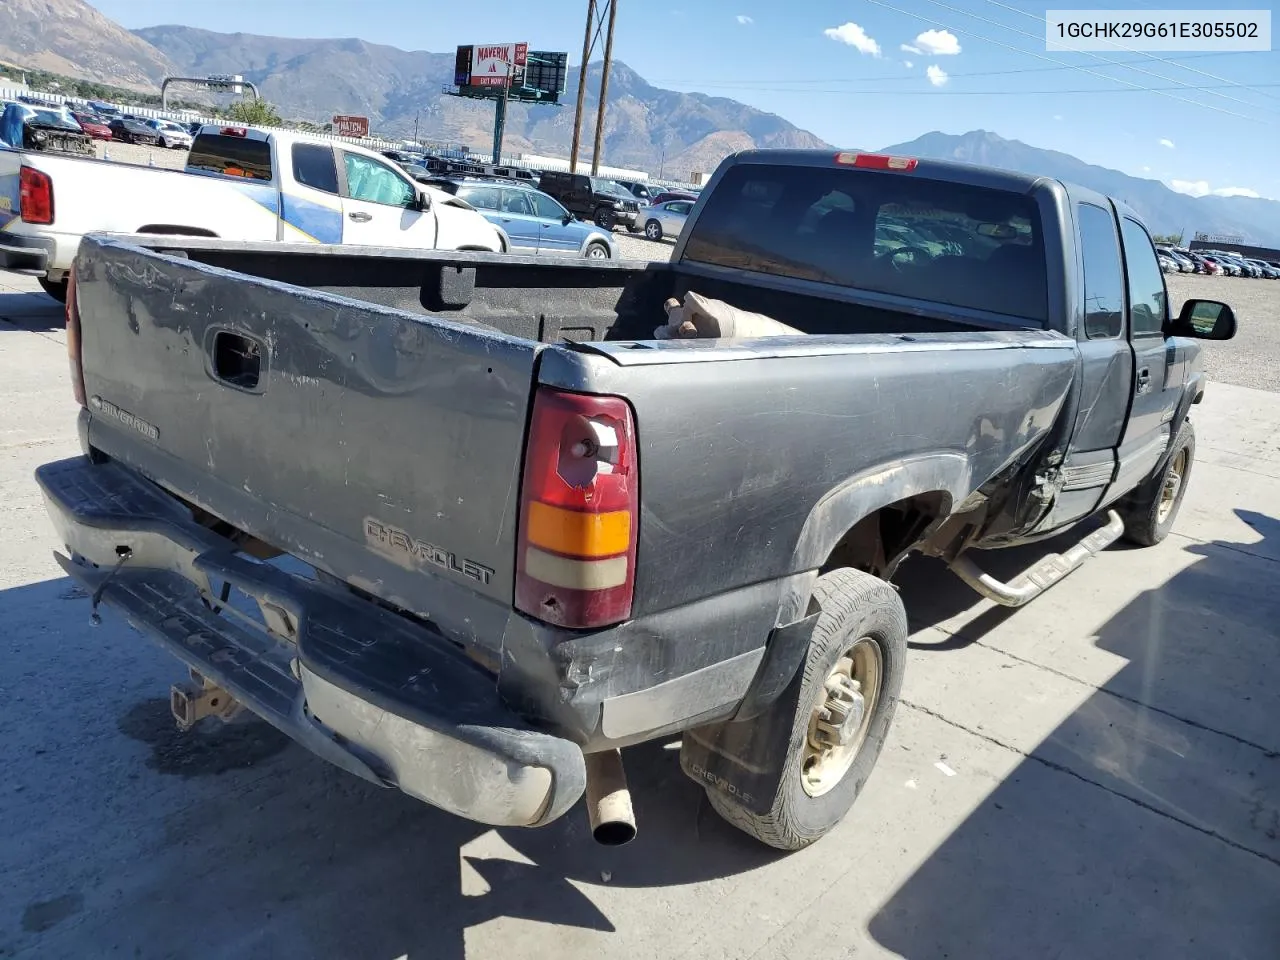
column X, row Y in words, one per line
column 745, row 20
column 1166, row 142
column 908, row 48
column 1057, row 116
column 908, row 64
column 939, row 43
column 937, row 76
column 1201, row 188
column 854, row 36
column 1146, row 169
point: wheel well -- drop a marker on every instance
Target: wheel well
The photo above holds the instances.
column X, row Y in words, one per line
column 175, row 230
column 878, row 542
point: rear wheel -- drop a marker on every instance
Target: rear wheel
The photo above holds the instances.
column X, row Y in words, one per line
column 605, row 219
column 653, row 230
column 597, row 251
column 1149, row 512
column 848, row 691
column 54, row 288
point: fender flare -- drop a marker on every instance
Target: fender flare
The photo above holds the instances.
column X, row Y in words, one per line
column 948, row 472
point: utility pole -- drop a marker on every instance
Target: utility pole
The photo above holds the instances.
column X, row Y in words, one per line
column 416, row 117
column 582, row 88
column 596, row 13
column 604, row 88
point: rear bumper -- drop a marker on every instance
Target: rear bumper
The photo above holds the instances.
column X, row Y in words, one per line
column 29, row 255
column 379, row 695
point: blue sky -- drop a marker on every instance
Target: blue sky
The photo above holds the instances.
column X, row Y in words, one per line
column 840, row 70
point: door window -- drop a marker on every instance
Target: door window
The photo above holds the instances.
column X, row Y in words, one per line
column 375, row 182
column 482, row 198
column 1147, row 297
column 680, row 206
column 313, row 166
column 1103, row 277
column 515, row 201
column 544, row 206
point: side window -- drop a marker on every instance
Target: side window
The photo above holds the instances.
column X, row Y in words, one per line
column 544, row 206
column 1147, row 298
column 375, row 182
column 514, row 201
column 313, row 166
column 680, row 206
column 1103, row 277
column 482, row 198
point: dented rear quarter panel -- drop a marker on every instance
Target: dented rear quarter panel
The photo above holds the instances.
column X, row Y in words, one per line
column 757, row 458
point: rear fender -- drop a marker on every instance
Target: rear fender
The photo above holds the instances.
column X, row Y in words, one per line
column 836, row 513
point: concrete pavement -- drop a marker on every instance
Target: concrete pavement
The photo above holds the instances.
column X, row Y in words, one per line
column 1097, row 775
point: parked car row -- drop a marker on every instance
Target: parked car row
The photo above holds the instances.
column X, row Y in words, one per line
column 1215, row 263
column 37, row 114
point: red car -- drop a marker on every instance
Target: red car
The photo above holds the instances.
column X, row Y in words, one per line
column 93, row 126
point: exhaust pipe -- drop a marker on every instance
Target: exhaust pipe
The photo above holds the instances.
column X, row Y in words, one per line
column 613, row 822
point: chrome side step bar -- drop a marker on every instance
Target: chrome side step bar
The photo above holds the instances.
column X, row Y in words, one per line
column 1030, row 584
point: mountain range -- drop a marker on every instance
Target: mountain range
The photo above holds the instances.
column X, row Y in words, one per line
column 666, row 132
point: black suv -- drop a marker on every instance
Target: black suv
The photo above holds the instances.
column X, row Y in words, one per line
column 593, row 198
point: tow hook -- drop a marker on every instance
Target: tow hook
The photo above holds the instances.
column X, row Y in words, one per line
column 190, row 702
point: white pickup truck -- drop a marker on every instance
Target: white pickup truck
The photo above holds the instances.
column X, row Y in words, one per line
column 240, row 183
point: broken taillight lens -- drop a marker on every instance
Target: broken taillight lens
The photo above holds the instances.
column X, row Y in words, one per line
column 73, row 338
column 579, row 511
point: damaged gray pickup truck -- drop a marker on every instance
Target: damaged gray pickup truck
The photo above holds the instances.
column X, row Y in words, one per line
column 466, row 525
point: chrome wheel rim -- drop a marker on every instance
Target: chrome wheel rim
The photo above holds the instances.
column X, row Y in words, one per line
column 1172, row 486
column 841, row 717
column 595, row 253
column 651, row 231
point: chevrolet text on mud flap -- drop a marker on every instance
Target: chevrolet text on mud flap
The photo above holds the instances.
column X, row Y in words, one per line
column 682, row 536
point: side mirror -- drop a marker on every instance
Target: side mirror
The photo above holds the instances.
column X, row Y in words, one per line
column 1205, row 320
column 424, row 201
column 567, row 219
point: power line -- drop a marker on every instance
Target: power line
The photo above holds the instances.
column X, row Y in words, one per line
column 1093, row 91
column 1038, row 56
column 1147, row 56
column 913, row 78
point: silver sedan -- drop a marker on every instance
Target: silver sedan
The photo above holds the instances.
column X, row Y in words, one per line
column 666, row 219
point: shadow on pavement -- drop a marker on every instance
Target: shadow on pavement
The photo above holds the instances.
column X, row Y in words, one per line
column 237, row 842
column 36, row 312
column 1148, row 823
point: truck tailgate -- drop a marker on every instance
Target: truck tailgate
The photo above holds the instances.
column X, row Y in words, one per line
column 380, row 446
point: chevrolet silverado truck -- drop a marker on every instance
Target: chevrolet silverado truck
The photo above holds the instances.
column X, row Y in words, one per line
column 466, row 525
column 240, row 183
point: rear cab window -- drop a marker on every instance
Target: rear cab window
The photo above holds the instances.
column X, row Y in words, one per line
column 950, row 243
column 247, row 157
column 314, row 166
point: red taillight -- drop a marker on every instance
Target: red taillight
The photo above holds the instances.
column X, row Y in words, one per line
column 234, row 131
column 579, row 511
column 35, row 196
column 73, row 338
column 877, row 161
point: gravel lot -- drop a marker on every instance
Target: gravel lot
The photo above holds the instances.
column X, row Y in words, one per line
column 143, row 156
column 1252, row 359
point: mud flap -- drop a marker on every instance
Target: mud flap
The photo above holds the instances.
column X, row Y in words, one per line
column 744, row 758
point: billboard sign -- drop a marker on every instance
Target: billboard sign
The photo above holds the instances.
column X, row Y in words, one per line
column 346, row 126
column 498, row 65
column 547, row 71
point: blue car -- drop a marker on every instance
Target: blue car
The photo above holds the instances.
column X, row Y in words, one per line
column 531, row 222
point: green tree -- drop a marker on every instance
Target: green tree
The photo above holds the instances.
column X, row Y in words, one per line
column 1172, row 239
column 256, row 112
